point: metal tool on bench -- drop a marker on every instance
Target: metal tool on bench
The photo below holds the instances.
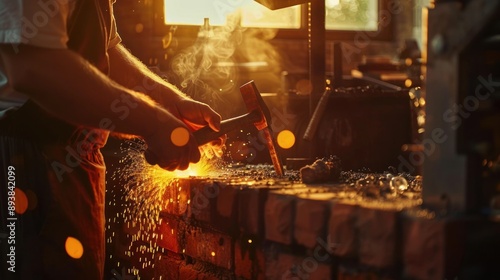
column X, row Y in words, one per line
column 258, row 114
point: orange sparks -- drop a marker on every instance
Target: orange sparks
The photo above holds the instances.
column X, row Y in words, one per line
column 202, row 168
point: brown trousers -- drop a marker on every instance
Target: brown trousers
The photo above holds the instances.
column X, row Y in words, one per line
column 61, row 171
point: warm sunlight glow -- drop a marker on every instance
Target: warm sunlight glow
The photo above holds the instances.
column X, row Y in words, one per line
column 286, row 139
column 192, row 12
column 179, row 136
column 253, row 14
column 74, row 247
column 332, row 3
column 339, row 15
column 21, row 201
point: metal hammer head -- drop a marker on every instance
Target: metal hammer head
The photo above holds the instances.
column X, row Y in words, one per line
column 253, row 100
column 258, row 114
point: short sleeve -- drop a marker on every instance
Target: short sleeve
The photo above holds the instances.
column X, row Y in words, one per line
column 36, row 23
column 11, row 12
column 114, row 37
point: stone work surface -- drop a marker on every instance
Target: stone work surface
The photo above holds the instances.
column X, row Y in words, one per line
column 248, row 226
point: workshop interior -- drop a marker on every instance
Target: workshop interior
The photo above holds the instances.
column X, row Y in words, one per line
column 363, row 142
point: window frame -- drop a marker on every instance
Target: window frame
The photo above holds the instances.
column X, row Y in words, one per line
column 384, row 33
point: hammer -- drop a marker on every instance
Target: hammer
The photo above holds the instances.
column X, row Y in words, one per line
column 258, row 114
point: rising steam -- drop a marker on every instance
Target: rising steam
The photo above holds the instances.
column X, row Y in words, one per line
column 209, row 70
column 205, row 69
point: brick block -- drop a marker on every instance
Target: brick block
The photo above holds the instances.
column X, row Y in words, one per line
column 311, row 217
column 170, row 234
column 183, row 196
column 176, row 197
column 279, row 214
column 323, row 272
column 423, row 249
column 226, row 199
column 209, row 246
column 342, row 229
column 249, row 260
column 279, row 218
column 167, row 268
column 352, row 274
column 202, row 206
column 251, row 207
column 209, row 276
column 214, row 203
column 251, row 203
column 441, row 248
column 377, row 236
column 290, row 267
column 226, row 219
column 281, row 266
column 172, row 267
column 188, row 272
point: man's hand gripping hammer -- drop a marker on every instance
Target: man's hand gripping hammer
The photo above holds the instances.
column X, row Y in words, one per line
column 258, row 114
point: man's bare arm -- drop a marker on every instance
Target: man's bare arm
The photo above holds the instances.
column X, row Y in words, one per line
column 130, row 72
column 69, row 87
column 127, row 70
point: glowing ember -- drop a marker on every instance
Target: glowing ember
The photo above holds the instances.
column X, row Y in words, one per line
column 203, row 168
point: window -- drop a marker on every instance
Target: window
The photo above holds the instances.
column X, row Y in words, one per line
column 251, row 13
column 351, row 15
column 340, row 15
column 256, row 15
